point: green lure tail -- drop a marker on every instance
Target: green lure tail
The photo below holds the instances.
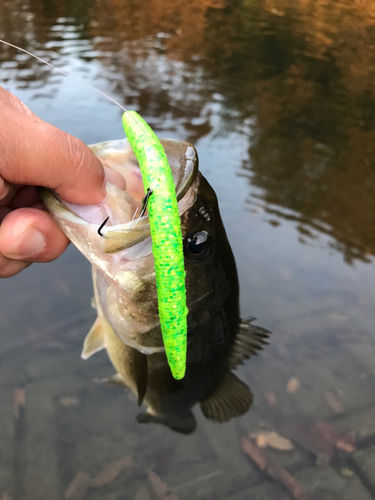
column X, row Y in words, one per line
column 166, row 238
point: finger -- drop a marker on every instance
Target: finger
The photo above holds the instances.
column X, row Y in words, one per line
column 7, row 191
column 11, row 100
column 114, row 177
column 31, row 235
column 9, row 267
column 35, row 153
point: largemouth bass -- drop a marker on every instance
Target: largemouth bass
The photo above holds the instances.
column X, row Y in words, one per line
column 125, row 296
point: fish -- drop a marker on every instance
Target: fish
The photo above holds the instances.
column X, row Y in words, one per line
column 125, row 297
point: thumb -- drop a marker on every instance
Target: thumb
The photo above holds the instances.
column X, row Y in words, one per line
column 36, row 153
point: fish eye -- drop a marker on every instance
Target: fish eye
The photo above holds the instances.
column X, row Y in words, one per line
column 198, row 246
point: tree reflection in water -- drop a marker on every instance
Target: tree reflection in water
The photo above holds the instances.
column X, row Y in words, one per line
column 295, row 77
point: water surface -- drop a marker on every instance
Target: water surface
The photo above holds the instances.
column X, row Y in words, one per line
column 278, row 97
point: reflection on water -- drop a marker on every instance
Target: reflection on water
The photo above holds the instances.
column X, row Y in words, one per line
column 278, row 97
column 288, row 76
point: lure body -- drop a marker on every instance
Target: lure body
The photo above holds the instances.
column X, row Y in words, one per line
column 167, row 248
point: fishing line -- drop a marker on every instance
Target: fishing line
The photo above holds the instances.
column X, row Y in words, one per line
column 78, row 80
column 62, row 72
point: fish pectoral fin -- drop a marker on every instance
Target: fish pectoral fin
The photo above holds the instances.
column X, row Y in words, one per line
column 249, row 340
column 140, row 374
column 231, row 398
column 184, row 423
column 116, row 380
column 94, row 341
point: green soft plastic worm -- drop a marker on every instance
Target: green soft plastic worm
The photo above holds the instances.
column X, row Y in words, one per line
column 167, row 247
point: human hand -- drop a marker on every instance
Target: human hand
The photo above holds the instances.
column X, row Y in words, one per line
column 34, row 153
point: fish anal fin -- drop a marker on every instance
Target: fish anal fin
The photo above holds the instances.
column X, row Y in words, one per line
column 94, row 341
column 140, row 374
column 249, row 340
column 231, row 398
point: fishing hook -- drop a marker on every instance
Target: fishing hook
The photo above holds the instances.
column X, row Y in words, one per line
column 145, row 202
column 101, row 226
column 143, row 210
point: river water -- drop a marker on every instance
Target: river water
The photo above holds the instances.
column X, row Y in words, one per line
column 278, row 97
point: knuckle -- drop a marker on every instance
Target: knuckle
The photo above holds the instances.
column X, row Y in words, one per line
column 79, row 155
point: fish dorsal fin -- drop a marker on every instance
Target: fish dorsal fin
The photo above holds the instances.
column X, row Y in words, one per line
column 232, row 398
column 94, row 341
column 249, row 340
column 140, row 374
